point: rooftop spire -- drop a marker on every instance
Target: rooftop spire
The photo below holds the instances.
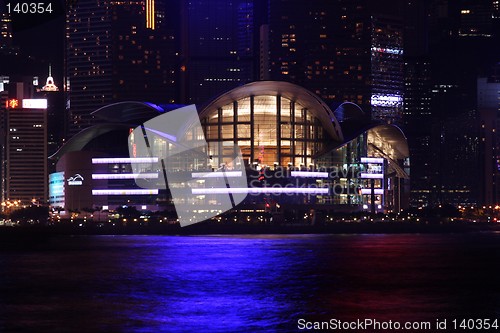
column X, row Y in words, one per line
column 49, row 85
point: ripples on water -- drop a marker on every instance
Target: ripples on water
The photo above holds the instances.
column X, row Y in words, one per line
column 245, row 283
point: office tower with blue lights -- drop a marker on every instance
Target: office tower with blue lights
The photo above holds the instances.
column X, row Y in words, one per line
column 386, row 57
column 118, row 51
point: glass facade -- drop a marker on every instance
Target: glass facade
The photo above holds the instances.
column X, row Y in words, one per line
column 343, row 166
column 296, row 155
column 268, row 129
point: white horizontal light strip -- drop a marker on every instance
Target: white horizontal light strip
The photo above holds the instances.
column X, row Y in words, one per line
column 309, row 174
column 372, row 160
column 40, row 103
column 125, row 160
column 372, row 176
column 124, row 175
column 125, row 192
column 216, row 174
column 258, row 190
column 369, row 191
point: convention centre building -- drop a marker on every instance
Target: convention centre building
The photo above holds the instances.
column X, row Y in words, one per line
column 298, row 154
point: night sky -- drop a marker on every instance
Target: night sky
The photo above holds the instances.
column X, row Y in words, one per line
column 40, row 36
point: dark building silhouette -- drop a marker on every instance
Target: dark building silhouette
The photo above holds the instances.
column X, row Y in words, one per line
column 217, row 48
column 57, row 116
column 464, row 45
column 488, row 91
column 418, row 125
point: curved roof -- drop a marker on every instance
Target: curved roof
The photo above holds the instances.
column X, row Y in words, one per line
column 385, row 140
column 128, row 111
column 288, row 90
column 133, row 111
column 394, row 136
column 348, row 111
column 383, row 136
column 389, row 141
column 81, row 139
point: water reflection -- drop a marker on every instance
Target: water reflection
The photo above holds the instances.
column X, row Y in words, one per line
column 245, row 283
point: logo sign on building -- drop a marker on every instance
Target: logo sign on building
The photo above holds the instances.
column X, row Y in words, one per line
column 186, row 153
column 12, row 103
column 39, row 103
column 76, row 180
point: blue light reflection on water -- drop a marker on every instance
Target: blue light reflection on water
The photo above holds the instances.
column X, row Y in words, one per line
column 244, row 283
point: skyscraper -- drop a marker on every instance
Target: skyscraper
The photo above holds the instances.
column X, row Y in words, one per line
column 217, row 47
column 24, row 147
column 343, row 51
column 57, row 117
column 387, row 69
column 417, row 121
column 118, row 51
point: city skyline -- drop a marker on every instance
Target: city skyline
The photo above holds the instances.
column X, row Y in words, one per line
column 249, row 165
column 415, row 64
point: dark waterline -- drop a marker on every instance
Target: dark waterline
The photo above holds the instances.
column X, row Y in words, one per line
column 259, row 283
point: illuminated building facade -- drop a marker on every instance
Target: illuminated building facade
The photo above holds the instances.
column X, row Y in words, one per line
column 118, row 50
column 387, row 84
column 84, row 181
column 24, row 145
column 296, row 151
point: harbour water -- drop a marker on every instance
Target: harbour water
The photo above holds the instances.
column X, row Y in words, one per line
column 258, row 283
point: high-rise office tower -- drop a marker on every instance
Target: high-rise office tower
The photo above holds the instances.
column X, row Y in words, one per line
column 116, row 51
column 417, row 122
column 387, row 86
column 217, row 47
column 417, row 115
column 57, row 118
column 24, row 147
column 300, row 44
column 343, row 51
